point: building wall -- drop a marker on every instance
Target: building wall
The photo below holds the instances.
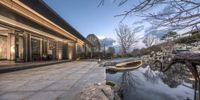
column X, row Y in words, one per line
column 23, row 30
column 27, row 46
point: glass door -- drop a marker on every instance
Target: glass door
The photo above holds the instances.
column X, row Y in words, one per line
column 44, row 50
column 35, row 49
column 52, row 50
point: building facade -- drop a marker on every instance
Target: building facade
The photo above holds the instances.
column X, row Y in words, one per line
column 31, row 31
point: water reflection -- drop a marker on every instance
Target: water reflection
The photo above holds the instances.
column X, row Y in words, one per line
column 128, row 83
column 146, row 84
column 177, row 75
column 152, row 76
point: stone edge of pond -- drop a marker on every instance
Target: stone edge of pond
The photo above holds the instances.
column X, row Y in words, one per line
column 99, row 91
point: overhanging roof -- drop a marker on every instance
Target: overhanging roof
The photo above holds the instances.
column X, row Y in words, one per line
column 42, row 8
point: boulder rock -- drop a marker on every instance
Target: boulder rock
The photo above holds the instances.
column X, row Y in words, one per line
column 97, row 92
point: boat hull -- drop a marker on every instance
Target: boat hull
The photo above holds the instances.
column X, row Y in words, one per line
column 125, row 66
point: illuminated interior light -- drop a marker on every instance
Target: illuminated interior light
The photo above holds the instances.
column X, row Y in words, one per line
column 12, row 49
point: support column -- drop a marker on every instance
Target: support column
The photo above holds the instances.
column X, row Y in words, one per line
column 85, row 50
column 29, row 47
column 55, row 51
column 76, row 50
column 25, row 45
column 17, row 46
column 9, row 46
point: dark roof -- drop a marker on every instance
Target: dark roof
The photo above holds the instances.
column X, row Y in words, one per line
column 42, row 8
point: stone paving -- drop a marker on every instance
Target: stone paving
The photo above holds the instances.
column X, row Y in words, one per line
column 53, row 82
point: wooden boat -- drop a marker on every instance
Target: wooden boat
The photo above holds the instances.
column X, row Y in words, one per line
column 125, row 66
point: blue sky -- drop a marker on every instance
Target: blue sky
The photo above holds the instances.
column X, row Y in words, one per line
column 87, row 17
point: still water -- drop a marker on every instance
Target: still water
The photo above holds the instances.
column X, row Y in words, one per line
column 146, row 84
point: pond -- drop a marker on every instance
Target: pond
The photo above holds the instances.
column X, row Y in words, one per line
column 146, row 84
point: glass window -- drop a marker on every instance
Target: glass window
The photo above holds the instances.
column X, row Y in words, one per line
column 21, row 48
column 35, row 47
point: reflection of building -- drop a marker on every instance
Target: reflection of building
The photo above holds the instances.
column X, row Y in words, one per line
column 32, row 31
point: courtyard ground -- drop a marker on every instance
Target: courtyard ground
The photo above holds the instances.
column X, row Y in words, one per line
column 60, row 81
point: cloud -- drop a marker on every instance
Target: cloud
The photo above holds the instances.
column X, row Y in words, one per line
column 107, row 42
column 100, row 37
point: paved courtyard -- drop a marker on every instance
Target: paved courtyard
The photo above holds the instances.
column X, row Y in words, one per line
column 60, row 81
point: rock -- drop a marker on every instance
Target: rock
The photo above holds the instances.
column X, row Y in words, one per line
column 97, row 92
column 98, row 84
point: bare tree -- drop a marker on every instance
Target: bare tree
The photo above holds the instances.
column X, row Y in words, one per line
column 177, row 14
column 149, row 40
column 126, row 37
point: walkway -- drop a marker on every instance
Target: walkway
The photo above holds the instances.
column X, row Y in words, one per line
column 59, row 81
column 10, row 66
